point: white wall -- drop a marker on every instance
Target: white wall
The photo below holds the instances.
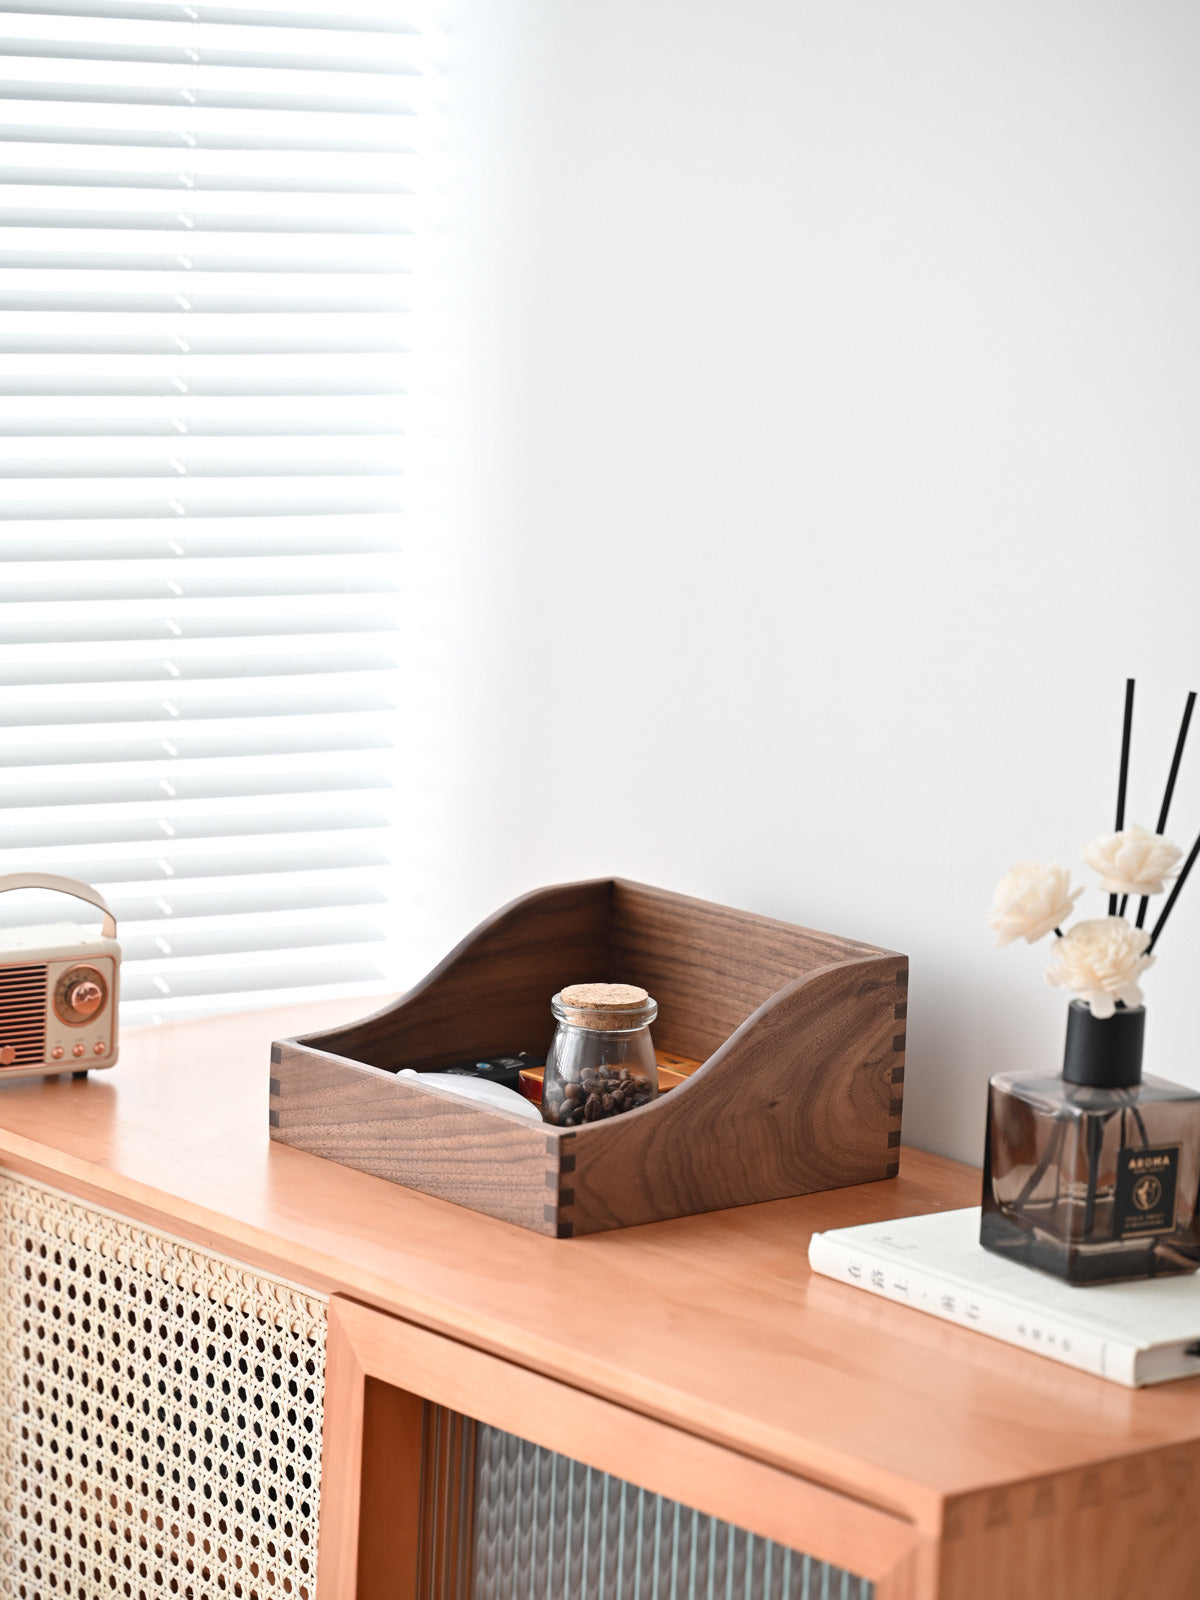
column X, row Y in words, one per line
column 827, row 385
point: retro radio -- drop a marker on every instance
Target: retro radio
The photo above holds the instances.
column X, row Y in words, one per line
column 59, row 986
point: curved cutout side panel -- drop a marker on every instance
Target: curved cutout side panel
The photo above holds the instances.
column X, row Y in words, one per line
column 798, row 1100
column 491, row 994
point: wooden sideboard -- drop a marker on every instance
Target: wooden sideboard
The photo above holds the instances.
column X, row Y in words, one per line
column 696, row 1358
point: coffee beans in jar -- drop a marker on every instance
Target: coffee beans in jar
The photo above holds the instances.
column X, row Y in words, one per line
column 600, row 1092
column 601, row 1061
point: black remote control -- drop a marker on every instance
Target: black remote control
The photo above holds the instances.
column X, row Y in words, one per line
column 505, row 1070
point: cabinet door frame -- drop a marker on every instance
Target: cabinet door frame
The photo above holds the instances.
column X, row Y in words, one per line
column 379, row 1372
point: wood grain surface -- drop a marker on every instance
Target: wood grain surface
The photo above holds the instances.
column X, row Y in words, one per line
column 343, row 1458
column 798, row 1100
column 802, row 1088
column 737, row 1343
column 709, row 966
column 390, row 1519
column 610, row 1438
column 1117, row 1529
column 423, row 1136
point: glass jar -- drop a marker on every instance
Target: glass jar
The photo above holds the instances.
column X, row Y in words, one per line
column 1094, row 1176
column 601, row 1060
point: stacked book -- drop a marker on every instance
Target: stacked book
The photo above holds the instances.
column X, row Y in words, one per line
column 1130, row 1333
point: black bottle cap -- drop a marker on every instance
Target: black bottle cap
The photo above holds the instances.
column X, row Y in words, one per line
column 1104, row 1052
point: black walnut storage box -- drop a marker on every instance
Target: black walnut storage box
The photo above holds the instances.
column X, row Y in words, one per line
column 801, row 1036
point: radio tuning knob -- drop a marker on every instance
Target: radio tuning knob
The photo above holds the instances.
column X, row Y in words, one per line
column 77, row 1050
column 7, row 1055
column 85, row 998
column 79, row 994
column 57, row 1052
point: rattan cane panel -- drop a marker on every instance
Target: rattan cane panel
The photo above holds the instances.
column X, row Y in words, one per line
column 160, row 1414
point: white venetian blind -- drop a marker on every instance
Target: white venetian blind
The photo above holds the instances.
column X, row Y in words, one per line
column 212, row 242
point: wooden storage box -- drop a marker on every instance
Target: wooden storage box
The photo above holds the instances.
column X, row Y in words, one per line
column 801, row 1036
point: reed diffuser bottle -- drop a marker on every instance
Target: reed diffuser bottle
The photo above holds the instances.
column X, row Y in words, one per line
column 1094, row 1175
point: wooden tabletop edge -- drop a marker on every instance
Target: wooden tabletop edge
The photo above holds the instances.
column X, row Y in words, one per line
column 898, row 1497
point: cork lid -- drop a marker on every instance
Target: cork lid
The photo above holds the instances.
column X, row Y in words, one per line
column 604, row 1005
column 604, row 996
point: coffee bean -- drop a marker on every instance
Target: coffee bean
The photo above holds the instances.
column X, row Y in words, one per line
column 594, row 1093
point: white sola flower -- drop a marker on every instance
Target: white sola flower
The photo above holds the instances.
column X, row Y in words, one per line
column 1133, row 861
column 1032, row 899
column 1101, row 961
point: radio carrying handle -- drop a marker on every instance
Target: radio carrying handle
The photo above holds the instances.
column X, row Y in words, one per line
column 81, row 891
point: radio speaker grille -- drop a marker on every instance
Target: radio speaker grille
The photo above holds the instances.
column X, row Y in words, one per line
column 23, row 1014
column 160, row 1414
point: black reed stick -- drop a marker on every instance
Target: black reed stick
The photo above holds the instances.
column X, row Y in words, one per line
column 1174, row 895
column 1170, row 789
column 1123, row 779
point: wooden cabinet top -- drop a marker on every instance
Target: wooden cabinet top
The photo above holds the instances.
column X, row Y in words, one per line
column 712, row 1323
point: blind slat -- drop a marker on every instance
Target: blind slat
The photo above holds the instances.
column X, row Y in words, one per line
column 189, row 545
column 184, row 746
column 90, row 629
column 97, row 247
column 89, row 791
column 195, row 264
column 29, row 426
column 184, row 945
column 155, row 127
column 194, row 59
column 180, row 506
column 104, row 591
column 172, row 670
column 200, row 906
column 304, row 978
column 379, row 17
column 170, row 866
column 182, row 708
column 190, row 184
column 246, row 32
column 238, row 386
column 53, row 835
column 179, row 463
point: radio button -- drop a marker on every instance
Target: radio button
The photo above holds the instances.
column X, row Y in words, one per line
column 57, row 1052
column 7, row 1055
column 98, row 1048
column 77, row 1050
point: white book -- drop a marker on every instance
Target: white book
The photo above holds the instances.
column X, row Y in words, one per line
column 1130, row 1333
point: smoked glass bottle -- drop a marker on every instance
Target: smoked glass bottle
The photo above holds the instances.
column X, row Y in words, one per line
column 1093, row 1176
